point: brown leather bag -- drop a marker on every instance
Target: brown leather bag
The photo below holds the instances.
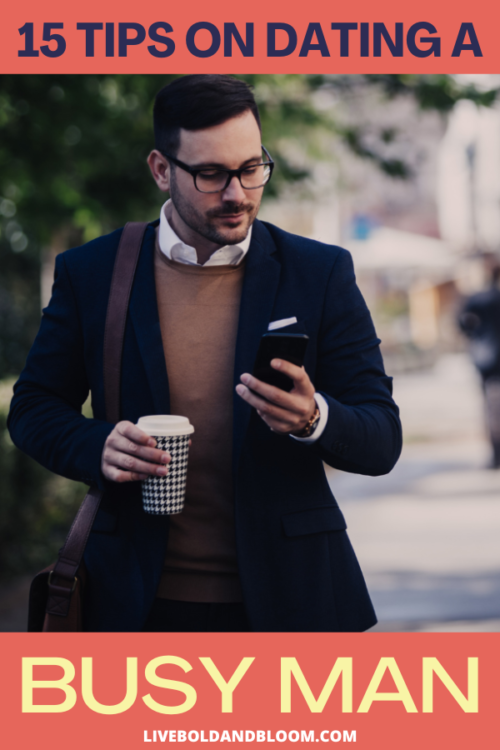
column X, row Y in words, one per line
column 56, row 593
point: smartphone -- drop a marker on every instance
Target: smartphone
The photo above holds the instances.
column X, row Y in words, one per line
column 290, row 347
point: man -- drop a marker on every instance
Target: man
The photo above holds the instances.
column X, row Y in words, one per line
column 479, row 319
column 261, row 544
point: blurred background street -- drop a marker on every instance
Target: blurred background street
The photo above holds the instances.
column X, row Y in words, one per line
column 427, row 535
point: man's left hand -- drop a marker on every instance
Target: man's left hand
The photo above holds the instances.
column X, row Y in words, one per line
column 281, row 411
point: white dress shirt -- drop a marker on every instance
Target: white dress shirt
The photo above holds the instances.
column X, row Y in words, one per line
column 228, row 255
column 175, row 249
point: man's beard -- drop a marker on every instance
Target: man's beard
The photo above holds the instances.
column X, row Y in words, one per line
column 200, row 222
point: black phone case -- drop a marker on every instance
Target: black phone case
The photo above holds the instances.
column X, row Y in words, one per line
column 290, row 347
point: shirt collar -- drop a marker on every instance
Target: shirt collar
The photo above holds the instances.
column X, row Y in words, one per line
column 175, row 249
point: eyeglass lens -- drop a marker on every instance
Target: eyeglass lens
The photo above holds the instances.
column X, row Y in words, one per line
column 213, row 180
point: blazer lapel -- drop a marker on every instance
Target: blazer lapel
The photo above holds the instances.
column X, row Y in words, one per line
column 144, row 315
column 260, row 283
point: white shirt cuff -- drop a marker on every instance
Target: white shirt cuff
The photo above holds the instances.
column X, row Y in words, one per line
column 323, row 419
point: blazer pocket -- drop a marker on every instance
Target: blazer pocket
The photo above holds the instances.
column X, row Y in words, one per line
column 313, row 521
column 298, row 327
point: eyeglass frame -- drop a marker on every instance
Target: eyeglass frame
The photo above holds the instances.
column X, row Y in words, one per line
column 194, row 171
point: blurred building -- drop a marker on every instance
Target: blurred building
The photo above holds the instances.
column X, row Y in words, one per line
column 419, row 244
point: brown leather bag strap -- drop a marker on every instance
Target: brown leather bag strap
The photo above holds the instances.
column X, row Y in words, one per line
column 116, row 316
column 63, row 577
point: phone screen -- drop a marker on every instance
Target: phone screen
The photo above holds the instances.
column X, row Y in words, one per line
column 290, row 347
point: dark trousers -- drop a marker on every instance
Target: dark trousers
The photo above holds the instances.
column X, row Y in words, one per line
column 491, row 387
column 169, row 616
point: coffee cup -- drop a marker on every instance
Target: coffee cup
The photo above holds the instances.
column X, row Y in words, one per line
column 165, row 495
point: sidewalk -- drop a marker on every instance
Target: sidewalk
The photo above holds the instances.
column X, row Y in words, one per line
column 427, row 535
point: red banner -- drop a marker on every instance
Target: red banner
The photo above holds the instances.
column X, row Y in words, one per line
column 388, row 691
column 263, row 37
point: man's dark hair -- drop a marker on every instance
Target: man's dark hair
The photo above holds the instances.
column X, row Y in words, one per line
column 195, row 102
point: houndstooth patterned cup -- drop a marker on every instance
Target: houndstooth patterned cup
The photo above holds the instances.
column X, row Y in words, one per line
column 165, row 495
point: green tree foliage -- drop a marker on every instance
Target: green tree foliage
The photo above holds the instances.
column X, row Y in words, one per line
column 437, row 93
column 72, row 151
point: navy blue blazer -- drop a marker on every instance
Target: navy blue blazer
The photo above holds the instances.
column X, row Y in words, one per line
column 297, row 567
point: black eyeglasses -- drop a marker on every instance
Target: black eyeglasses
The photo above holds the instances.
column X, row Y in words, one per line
column 215, row 180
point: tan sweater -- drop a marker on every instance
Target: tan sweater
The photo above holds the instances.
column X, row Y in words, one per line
column 198, row 309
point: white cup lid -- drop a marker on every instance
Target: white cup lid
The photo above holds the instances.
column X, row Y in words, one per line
column 165, row 425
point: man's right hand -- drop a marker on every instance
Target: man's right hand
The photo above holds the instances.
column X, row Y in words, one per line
column 129, row 455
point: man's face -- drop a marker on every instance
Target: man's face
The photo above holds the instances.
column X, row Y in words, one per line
column 220, row 218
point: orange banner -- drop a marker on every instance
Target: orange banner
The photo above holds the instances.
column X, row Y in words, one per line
column 263, row 37
column 388, row 691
